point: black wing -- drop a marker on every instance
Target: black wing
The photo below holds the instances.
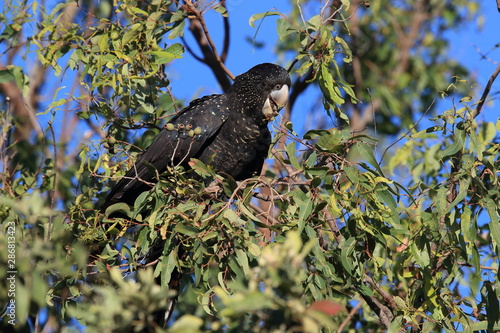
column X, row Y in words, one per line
column 184, row 137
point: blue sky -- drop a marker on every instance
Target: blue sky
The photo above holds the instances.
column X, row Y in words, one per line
column 190, row 79
column 242, row 55
column 468, row 46
column 465, row 44
column 464, row 48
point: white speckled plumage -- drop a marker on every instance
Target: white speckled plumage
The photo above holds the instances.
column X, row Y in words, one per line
column 234, row 137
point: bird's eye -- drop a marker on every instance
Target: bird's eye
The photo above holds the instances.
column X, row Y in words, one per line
column 277, row 87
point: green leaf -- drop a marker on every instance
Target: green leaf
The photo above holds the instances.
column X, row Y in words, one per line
column 348, row 89
column 345, row 255
column 119, row 207
column 231, row 215
column 478, row 147
column 242, row 259
column 421, row 255
column 176, row 49
column 492, row 306
column 441, row 200
column 188, row 323
column 396, row 325
column 153, row 19
column 314, row 134
column 304, row 213
column 328, row 86
column 22, row 305
column 55, row 102
column 259, row 16
column 314, row 22
column 178, row 30
column 103, row 42
column 319, row 172
column 15, row 73
column 462, row 193
column 366, row 153
column 292, row 155
column 385, row 196
column 6, row 75
column 485, row 326
column 136, row 10
column 330, row 141
column 247, row 212
column 163, row 57
column 186, row 229
column 425, row 132
column 494, row 224
column 201, row 168
column 347, row 52
column 466, row 225
column 236, row 267
column 130, row 33
column 457, row 145
column 222, row 282
column 221, row 10
column 353, row 174
column 167, row 267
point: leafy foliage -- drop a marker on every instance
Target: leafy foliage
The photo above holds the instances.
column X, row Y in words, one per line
column 337, row 236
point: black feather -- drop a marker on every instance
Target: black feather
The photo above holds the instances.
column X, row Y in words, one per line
column 227, row 131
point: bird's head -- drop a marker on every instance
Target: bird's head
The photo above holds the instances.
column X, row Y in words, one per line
column 264, row 88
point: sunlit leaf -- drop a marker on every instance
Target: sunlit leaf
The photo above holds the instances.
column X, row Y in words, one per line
column 259, row 16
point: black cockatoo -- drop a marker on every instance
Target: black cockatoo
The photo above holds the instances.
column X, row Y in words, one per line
column 227, row 131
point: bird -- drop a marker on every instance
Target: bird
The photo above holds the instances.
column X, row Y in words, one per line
column 227, row 131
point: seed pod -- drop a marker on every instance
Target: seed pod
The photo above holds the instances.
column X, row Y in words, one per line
column 189, row 126
column 170, row 127
column 191, row 133
column 111, row 140
column 197, row 130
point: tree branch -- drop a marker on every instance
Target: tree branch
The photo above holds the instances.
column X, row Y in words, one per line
column 211, row 57
column 486, row 91
column 349, row 317
column 384, row 312
column 227, row 35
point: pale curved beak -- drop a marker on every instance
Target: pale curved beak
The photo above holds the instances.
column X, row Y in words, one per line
column 276, row 101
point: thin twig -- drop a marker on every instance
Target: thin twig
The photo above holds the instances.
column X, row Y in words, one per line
column 385, row 295
column 407, row 132
column 191, row 52
column 486, row 92
column 201, row 19
column 53, row 192
column 268, row 197
column 350, row 315
column 384, row 312
column 227, row 35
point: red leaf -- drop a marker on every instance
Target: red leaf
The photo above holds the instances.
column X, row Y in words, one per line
column 328, row 307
